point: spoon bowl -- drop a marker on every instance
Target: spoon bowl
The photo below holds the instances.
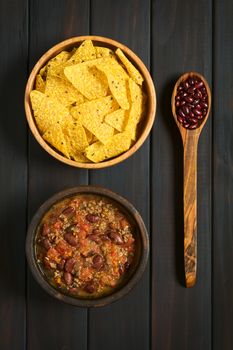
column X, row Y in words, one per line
column 184, row 77
column 190, row 139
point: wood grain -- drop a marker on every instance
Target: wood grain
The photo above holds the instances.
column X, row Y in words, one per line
column 13, row 173
column 169, row 317
column 190, row 144
column 181, row 318
column 50, row 323
column 126, row 324
column 223, row 177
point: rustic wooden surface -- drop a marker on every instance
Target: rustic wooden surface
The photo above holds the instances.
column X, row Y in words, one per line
column 171, row 37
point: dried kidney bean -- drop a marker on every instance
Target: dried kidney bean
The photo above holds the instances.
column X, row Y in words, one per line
column 191, row 102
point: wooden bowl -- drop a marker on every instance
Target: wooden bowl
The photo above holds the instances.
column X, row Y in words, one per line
column 136, row 269
column 148, row 87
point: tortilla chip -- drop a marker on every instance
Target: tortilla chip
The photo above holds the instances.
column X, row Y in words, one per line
column 43, row 72
column 40, row 83
column 103, row 52
column 76, row 134
column 117, row 119
column 79, row 157
column 97, row 108
column 102, row 131
column 63, row 56
column 95, row 152
column 89, row 136
column 63, row 91
column 88, row 80
column 56, row 65
column 91, row 114
column 85, row 52
column 136, row 109
column 117, row 79
column 119, row 143
column 94, row 139
column 47, row 111
column 133, row 72
column 55, row 136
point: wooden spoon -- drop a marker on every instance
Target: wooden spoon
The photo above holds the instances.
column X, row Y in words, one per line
column 190, row 143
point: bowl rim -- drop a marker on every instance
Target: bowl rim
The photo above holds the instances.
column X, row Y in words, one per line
column 150, row 92
column 33, row 265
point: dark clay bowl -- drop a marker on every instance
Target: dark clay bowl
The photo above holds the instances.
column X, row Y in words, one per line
column 136, row 269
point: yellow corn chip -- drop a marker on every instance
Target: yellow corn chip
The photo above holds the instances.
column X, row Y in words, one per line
column 89, row 136
column 102, row 131
column 94, row 139
column 91, row 114
column 47, row 111
column 40, row 83
column 97, row 108
column 108, row 60
column 88, row 80
column 79, row 157
column 118, row 144
column 76, row 134
column 103, row 52
column 57, row 70
column 63, row 91
column 63, row 56
column 43, row 72
column 111, row 63
column 117, row 79
column 56, row 65
column 136, row 109
column 85, row 52
column 117, row 119
column 55, row 136
column 133, row 72
column 95, row 152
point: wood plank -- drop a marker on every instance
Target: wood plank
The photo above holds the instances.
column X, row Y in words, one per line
column 125, row 324
column 13, row 155
column 223, row 177
column 181, row 318
column 52, row 324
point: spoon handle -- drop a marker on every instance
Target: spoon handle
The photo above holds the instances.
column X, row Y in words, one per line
column 190, row 142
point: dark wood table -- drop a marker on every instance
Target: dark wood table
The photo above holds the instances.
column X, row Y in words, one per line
column 171, row 37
